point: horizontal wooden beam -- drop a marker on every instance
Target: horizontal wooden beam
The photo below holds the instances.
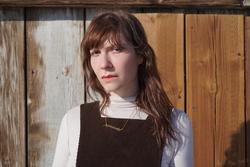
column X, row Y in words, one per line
column 125, row 3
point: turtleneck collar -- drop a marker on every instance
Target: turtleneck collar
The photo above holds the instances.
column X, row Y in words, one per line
column 123, row 107
column 116, row 100
column 115, row 97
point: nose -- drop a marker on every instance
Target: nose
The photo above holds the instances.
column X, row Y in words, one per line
column 105, row 62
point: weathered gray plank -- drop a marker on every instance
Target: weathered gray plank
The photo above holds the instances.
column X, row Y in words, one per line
column 129, row 3
column 55, row 81
column 12, row 88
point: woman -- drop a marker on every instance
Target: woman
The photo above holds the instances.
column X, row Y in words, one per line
column 134, row 124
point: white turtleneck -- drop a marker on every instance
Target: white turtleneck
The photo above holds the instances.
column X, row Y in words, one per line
column 177, row 155
column 126, row 107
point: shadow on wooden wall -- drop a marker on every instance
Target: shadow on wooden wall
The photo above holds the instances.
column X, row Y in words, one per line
column 231, row 153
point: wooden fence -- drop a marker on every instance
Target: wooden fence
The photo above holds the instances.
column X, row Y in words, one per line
column 203, row 58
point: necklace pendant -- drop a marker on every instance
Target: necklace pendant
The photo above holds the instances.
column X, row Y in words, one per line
column 114, row 128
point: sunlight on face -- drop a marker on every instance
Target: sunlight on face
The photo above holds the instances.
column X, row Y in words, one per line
column 116, row 68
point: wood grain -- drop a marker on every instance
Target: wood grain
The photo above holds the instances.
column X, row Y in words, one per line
column 200, row 87
column 115, row 3
column 247, row 83
column 12, row 88
column 230, row 101
column 165, row 35
column 55, row 81
column 215, row 88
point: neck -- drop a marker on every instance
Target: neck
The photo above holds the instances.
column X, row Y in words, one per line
column 130, row 90
column 123, row 107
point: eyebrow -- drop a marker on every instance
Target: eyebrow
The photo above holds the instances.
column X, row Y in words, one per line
column 108, row 48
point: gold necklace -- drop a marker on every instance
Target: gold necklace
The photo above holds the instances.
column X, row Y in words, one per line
column 117, row 128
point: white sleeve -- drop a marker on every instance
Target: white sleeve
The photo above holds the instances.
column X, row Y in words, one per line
column 184, row 151
column 62, row 147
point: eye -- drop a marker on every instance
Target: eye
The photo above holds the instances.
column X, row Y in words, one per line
column 117, row 49
column 94, row 52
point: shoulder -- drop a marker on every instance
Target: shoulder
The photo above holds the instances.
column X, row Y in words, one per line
column 181, row 120
column 71, row 119
column 182, row 153
column 183, row 126
column 87, row 107
column 72, row 113
column 76, row 109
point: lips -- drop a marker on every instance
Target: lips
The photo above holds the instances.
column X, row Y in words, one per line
column 108, row 76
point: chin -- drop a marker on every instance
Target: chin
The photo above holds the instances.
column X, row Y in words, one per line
column 110, row 89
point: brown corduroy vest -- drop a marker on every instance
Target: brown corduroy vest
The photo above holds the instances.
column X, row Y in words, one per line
column 100, row 146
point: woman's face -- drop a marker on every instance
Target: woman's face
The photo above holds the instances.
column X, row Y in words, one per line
column 116, row 68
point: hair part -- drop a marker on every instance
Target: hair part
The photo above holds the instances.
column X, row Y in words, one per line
column 151, row 96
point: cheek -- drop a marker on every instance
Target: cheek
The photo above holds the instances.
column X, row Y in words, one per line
column 93, row 65
column 129, row 67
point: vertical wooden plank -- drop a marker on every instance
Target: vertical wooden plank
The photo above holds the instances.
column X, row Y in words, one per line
column 247, row 83
column 200, row 86
column 12, row 88
column 230, row 100
column 55, row 81
column 165, row 35
column 215, row 88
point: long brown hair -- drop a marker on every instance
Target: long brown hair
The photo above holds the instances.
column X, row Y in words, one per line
column 151, row 96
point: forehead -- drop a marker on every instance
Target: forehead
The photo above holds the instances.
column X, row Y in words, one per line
column 111, row 41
